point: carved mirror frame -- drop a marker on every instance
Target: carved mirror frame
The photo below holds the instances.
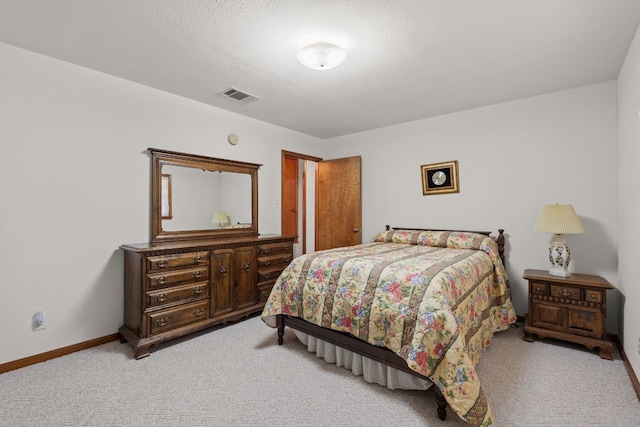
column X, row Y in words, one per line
column 160, row 158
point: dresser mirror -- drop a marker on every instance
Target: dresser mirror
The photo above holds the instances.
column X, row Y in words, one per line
column 195, row 197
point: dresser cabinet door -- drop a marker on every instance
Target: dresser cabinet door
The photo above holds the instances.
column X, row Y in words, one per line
column 234, row 279
column 244, row 294
column 221, row 281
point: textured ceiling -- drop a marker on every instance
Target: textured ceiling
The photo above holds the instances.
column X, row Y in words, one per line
column 407, row 59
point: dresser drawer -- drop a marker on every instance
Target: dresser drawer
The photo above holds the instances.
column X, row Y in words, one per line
column 182, row 315
column 263, row 293
column 539, row 288
column 274, row 248
column 166, row 262
column 174, row 277
column 269, row 275
column 566, row 292
column 271, row 261
column 177, row 294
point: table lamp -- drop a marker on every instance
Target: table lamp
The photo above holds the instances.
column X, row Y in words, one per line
column 559, row 220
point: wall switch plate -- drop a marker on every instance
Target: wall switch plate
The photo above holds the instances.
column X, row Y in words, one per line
column 39, row 321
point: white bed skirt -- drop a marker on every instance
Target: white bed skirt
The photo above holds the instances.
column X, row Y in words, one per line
column 371, row 371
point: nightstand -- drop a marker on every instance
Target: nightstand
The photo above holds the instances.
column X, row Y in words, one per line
column 570, row 308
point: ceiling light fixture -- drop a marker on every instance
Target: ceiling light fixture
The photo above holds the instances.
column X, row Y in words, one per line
column 322, row 56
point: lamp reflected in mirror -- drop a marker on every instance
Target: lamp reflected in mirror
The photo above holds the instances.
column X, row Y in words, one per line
column 221, row 218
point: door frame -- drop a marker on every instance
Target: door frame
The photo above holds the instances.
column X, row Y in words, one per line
column 303, row 208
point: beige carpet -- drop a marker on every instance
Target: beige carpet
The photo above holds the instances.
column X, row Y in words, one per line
column 239, row 376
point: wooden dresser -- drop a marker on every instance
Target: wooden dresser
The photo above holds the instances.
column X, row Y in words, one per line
column 175, row 288
column 570, row 308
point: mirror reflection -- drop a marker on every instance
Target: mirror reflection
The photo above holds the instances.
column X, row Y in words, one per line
column 195, row 196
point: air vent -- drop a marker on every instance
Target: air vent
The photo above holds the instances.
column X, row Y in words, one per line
column 239, row 95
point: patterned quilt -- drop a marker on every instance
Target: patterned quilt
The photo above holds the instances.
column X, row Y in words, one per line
column 434, row 298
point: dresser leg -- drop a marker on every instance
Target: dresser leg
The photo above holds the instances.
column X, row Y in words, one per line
column 142, row 351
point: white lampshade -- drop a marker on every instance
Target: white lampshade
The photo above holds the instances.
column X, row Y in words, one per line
column 322, row 56
column 220, row 218
column 559, row 220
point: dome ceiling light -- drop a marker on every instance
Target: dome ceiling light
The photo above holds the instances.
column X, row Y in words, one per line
column 322, row 56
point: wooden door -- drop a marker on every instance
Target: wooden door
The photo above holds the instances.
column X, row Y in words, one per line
column 289, row 197
column 338, row 203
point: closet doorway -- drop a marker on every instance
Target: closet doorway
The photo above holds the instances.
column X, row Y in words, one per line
column 321, row 201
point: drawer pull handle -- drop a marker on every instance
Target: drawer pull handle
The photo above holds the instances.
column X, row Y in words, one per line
column 265, row 250
column 266, row 275
column 197, row 259
column 162, row 263
column 286, row 248
column 162, row 322
column 197, row 274
column 265, row 294
column 198, row 312
column 223, row 270
column 197, row 290
column 593, row 296
column 161, row 280
column 246, row 266
column 537, row 289
column 287, row 259
column 266, row 263
column 161, row 297
column 564, row 292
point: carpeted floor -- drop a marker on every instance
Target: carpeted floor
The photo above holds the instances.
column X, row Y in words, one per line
column 239, row 376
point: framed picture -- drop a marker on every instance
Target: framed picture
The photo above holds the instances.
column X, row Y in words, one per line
column 165, row 194
column 440, row 178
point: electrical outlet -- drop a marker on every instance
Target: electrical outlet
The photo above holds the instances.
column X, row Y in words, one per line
column 39, row 321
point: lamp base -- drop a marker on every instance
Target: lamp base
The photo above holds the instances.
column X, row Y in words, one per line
column 560, row 256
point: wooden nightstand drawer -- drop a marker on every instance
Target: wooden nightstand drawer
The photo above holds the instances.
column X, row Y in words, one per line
column 538, row 288
column 566, row 292
column 592, row 296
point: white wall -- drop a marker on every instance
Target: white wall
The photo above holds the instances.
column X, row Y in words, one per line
column 75, row 184
column 513, row 158
column 628, row 200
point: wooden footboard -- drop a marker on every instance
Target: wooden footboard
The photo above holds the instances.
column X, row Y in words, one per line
column 348, row 342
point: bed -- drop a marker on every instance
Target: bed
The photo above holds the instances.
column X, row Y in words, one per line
column 424, row 302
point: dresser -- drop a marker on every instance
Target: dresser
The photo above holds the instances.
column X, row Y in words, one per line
column 570, row 308
column 172, row 289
